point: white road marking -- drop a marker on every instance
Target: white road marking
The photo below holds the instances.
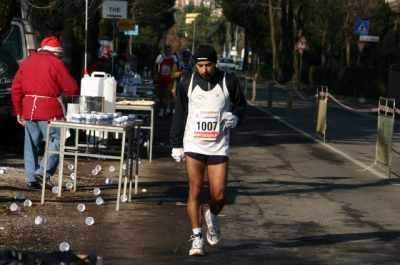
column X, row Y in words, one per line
column 348, row 157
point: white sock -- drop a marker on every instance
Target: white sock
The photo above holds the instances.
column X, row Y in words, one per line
column 197, row 231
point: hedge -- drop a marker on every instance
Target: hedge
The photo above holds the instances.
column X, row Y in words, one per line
column 355, row 82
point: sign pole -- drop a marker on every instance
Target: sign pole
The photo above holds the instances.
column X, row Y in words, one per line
column 86, row 32
column 301, row 63
column 300, row 46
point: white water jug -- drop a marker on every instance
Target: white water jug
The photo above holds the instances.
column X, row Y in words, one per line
column 100, row 84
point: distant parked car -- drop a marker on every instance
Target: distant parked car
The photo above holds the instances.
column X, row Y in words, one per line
column 226, row 64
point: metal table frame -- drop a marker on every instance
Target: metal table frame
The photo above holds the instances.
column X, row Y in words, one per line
column 127, row 131
column 142, row 107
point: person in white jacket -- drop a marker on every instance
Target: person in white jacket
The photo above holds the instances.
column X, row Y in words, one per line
column 209, row 103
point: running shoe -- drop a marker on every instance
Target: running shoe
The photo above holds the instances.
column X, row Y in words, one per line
column 213, row 233
column 197, row 245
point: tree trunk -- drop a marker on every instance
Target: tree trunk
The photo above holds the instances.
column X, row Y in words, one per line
column 323, row 47
column 275, row 61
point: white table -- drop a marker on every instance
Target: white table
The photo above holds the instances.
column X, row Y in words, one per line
column 141, row 106
column 127, row 132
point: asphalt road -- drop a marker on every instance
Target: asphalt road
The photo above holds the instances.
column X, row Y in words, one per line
column 291, row 199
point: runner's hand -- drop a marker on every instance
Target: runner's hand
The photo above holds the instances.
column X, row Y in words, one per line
column 231, row 121
column 178, row 154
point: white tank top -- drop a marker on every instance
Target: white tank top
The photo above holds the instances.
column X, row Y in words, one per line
column 205, row 133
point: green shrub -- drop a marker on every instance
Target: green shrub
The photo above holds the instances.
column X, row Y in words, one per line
column 357, row 82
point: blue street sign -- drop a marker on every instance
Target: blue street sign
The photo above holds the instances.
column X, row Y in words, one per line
column 132, row 32
column 361, row 27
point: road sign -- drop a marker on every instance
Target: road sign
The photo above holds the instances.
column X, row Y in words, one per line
column 115, row 9
column 132, row 32
column 301, row 44
column 369, row 38
column 126, row 24
column 361, row 27
column 360, row 45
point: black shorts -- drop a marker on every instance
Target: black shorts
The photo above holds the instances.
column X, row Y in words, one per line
column 208, row 159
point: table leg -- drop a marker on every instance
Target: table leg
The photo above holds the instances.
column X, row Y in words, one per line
column 121, row 169
column 151, row 134
column 61, row 160
column 45, row 162
column 137, row 158
column 130, row 161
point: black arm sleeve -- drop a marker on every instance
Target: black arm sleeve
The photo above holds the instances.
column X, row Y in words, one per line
column 238, row 99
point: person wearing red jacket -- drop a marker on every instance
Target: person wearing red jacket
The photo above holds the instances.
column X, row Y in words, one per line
column 36, row 95
column 162, row 74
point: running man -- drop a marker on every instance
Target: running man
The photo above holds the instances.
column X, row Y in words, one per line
column 208, row 105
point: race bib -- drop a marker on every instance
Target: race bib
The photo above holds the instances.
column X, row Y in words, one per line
column 206, row 125
column 165, row 69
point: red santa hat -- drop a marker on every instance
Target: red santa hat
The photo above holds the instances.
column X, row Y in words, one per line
column 52, row 44
column 107, row 53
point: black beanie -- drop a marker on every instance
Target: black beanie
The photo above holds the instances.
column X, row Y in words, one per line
column 205, row 53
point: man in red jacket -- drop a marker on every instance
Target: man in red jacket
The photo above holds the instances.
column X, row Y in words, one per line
column 36, row 95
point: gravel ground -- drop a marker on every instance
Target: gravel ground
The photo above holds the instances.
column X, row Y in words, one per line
column 65, row 223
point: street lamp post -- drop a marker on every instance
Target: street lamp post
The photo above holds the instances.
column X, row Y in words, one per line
column 191, row 17
column 194, row 33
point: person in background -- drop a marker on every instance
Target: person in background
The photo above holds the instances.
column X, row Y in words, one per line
column 103, row 64
column 36, row 95
column 209, row 104
column 119, row 67
column 119, row 70
column 162, row 75
column 181, row 70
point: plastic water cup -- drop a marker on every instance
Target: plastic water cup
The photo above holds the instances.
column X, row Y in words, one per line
column 95, row 172
column 69, row 185
column 14, row 207
column 98, row 167
column 55, row 189
column 28, row 203
column 40, row 220
column 109, row 181
column 64, row 246
column 99, row 201
column 96, row 191
column 226, row 114
column 124, row 198
column 111, row 168
column 20, row 196
column 81, row 207
column 72, row 176
column 89, row 221
column 70, row 167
